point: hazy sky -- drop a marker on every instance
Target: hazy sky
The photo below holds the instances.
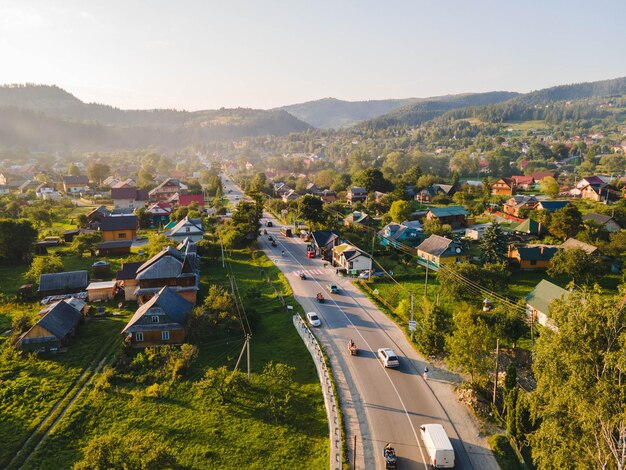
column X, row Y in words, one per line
column 266, row 53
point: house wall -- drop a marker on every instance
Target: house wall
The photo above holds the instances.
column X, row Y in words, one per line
column 153, row 338
column 175, row 281
column 100, row 294
column 130, row 286
column 361, row 263
column 38, row 331
column 117, row 235
column 588, row 193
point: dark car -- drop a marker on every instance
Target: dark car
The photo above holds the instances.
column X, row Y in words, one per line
column 269, row 223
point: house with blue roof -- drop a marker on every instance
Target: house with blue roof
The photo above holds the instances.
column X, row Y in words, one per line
column 407, row 233
column 551, row 206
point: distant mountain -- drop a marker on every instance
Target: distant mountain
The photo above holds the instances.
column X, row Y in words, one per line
column 91, row 124
column 577, row 91
column 331, row 113
column 430, row 108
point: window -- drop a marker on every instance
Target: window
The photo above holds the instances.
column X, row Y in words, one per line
column 187, row 229
column 138, row 336
column 154, row 319
column 533, row 262
column 165, row 335
column 121, row 235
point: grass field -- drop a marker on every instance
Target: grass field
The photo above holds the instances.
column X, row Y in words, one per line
column 238, row 433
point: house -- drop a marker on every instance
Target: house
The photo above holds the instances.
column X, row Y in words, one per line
column 550, row 206
column 4, row 189
column 74, row 184
column 290, row 195
column 96, row 215
column 186, row 228
column 519, row 202
column 129, row 197
column 28, row 185
column 328, row 196
column 357, row 218
column 165, row 190
column 53, row 329
column 539, row 300
column 436, row 251
column 186, row 199
column 531, row 257
column 351, row 258
column 281, row 188
column 68, row 235
column 406, row 233
column 356, row 194
column 98, row 291
column 455, row 216
column 539, row 175
column 119, row 228
column 595, row 180
column 69, row 282
column 311, row 188
column 161, row 320
column 523, row 182
column 572, row 244
column 530, row 227
column 602, row 192
column 123, row 183
column 323, row 242
column 160, row 213
column 606, row 222
column 126, row 279
column 477, row 232
column 114, row 247
column 434, row 190
column 172, row 268
column 503, row 187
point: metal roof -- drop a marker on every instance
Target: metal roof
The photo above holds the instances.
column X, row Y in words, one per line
column 439, row 246
column 543, row 294
column 71, row 281
column 175, row 308
column 124, row 222
column 449, row 211
column 60, row 320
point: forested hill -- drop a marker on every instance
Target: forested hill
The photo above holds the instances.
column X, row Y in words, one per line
column 582, row 101
column 331, row 113
column 26, row 109
column 425, row 110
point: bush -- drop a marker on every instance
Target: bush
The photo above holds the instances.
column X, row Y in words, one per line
column 504, row 453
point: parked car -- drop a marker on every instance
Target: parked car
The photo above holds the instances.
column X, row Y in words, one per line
column 313, row 319
column 388, row 357
column 332, row 288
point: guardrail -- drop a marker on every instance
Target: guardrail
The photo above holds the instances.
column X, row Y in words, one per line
column 330, row 400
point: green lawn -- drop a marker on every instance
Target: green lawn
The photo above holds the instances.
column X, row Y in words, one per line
column 238, row 433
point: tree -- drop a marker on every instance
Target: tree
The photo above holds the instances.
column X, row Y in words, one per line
column 278, row 380
column 156, row 243
column 493, row 245
column 258, row 184
column 508, row 324
column 579, row 367
column 219, row 384
column 73, row 170
column 454, row 279
column 145, row 178
column 433, row 325
column 144, row 217
column 566, row 222
column 82, row 221
column 341, row 182
column 325, row 178
column 16, row 239
column 580, row 266
column 549, row 186
column 371, row 179
column 86, row 242
column 311, row 209
column 400, row 211
column 470, row 346
column 98, row 172
column 44, row 265
column 216, row 316
column 435, row 227
column 243, row 228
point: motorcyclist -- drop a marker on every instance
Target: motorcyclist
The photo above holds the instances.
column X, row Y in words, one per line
column 388, row 450
column 351, row 344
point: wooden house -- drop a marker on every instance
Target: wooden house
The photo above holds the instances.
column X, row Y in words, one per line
column 127, row 279
column 514, row 205
column 101, row 291
column 96, row 215
column 74, row 184
column 70, row 282
column 539, row 300
column 129, row 197
column 351, row 258
column 606, row 222
column 455, row 216
column 160, row 321
column 119, row 228
column 356, row 194
column 531, row 257
column 165, row 190
column 503, row 187
column 328, row 196
column 436, row 251
column 57, row 324
column 323, row 242
column 186, row 228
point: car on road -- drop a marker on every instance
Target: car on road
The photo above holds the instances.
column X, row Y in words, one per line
column 270, row 238
column 310, row 254
column 269, row 224
column 236, row 198
column 313, row 319
column 388, row 357
column 332, row 288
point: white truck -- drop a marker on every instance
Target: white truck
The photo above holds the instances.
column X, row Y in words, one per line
column 438, row 446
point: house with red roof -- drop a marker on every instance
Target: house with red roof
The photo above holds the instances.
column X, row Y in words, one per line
column 186, row 199
column 523, row 182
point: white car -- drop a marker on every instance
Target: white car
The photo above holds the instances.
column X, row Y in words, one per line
column 313, row 319
column 388, row 357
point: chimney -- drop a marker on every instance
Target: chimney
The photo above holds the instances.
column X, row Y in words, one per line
column 541, row 249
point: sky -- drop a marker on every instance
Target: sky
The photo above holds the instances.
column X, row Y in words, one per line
column 208, row 54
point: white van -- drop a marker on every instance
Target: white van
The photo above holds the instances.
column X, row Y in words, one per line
column 438, row 446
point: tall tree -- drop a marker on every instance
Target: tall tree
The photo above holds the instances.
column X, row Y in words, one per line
column 371, row 179
column 400, row 211
column 98, row 172
column 16, row 239
column 580, row 266
column 310, row 209
column 549, row 186
column 580, row 395
column 566, row 222
column 493, row 245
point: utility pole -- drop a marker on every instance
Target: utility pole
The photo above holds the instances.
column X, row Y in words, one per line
column 412, row 331
column 426, row 280
column 354, row 454
column 223, row 262
column 495, row 382
column 369, row 273
column 248, row 354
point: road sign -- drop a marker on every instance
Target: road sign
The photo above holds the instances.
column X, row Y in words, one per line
column 412, row 325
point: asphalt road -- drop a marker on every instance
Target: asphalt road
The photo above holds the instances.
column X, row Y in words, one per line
column 380, row 405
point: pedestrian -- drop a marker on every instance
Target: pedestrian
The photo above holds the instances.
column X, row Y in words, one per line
column 337, row 271
column 425, row 373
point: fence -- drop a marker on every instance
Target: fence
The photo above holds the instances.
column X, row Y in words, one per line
column 327, row 390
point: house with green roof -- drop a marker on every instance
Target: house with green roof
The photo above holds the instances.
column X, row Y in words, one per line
column 530, row 227
column 455, row 216
column 539, row 300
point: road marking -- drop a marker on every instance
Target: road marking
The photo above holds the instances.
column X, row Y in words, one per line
column 406, row 412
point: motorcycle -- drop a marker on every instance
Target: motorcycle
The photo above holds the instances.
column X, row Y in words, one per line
column 391, row 461
column 320, row 298
column 303, row 276
column 265, row 231
column 354, row 351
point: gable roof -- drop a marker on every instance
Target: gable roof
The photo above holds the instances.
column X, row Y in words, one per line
column 544, row 293
column 536, row 252
column 173, row 305
column 529, row 226
column 186, row 199
column 194, row 225
column 572, row 243
column 60, row 320
column 324, row 237
column 100, row 210
column 357, row 190
column 166, row 264
column 552, row 206
column 449, row 211
column 124, row 222
column 69, row 281
column 128, row 271
column 129, row 193
column 439, row 246
column 600, row 218
column 75, row 179
column 519, row 180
